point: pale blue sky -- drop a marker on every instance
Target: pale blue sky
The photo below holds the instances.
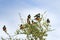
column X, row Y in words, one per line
column 9, row 10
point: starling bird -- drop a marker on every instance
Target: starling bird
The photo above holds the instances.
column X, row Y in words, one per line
column 28, row 19
column 29, row 16
column 4, row 28
column 21, row 26
column 38, row 15
column 48, row 21
column 33, row 22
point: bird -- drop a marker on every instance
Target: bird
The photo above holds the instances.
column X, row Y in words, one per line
column 21, row 26
column 28, row 19
column 29, row 16
column 48, row 21
column 33, row 22
column 4, row 28
column 37, row 17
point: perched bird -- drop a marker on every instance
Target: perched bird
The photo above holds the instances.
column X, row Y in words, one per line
column 29, row 16
column 33, row 22
column 28, row 19
column 37, row 15
column 48, row 21
column 4, row 28
column 21, row 26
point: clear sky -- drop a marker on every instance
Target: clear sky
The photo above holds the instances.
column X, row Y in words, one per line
column 9, row 10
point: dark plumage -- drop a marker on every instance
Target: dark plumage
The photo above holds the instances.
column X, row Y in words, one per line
column 28, row 19
column 29, row 16
column 4, row 28
column 37, row 15
column 48, row 21
column 33, row 22
column 21, row 26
